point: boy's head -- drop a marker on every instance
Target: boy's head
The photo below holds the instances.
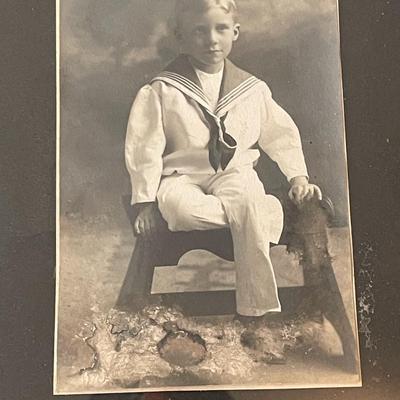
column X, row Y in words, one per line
column 206, row 30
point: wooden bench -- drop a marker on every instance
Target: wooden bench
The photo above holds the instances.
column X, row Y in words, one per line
column 305, row 233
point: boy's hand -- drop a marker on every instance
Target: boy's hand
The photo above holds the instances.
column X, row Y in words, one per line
column 302, row 190
column 148, row 221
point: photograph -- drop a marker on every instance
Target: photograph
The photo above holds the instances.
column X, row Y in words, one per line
column 203, row 216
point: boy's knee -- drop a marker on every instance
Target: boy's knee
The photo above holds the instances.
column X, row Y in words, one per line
column 245, row 200
column 177, row 212
column 252, row 204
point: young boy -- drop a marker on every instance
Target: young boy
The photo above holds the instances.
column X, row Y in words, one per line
column 190, row 150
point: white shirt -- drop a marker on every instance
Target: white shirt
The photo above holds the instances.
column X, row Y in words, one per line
column 211, row 84
column 167, row 133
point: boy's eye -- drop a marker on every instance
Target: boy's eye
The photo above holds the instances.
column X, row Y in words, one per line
column 222, row 27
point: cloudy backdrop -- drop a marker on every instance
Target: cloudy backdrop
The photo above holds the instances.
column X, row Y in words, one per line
column 109, row 48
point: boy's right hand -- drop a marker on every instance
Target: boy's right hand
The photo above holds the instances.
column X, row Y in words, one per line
column 149, row 220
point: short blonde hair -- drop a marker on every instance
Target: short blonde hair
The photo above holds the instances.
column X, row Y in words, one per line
column 184, row 6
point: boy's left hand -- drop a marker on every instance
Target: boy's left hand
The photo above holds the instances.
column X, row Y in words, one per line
column 303, row 190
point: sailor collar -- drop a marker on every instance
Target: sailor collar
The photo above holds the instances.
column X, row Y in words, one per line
column 235, row 84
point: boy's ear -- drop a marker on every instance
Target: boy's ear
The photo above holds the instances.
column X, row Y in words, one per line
column 236, row 32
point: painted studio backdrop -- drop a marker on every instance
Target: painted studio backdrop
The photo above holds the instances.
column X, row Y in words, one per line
column 108, row 50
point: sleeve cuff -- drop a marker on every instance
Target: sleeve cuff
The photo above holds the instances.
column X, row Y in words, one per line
column 289, row 178
column 135, row 199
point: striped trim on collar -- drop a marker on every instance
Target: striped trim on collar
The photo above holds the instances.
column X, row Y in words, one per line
column 186, row 86
column 236, row 83
column 236, row 93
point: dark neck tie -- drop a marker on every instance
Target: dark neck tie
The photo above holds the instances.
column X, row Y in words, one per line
column 220, row 149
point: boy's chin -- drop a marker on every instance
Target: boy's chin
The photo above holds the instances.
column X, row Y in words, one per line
column 209, row 65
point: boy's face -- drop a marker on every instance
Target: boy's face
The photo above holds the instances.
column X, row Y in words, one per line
column 208, row 37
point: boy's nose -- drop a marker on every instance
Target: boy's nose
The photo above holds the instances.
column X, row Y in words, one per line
column 212, row 37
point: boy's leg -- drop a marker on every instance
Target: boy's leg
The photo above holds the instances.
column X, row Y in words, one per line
column 235, row 198
column 186, row 207
column 255, row 220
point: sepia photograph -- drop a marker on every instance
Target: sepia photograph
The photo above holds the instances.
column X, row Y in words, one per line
column 203, row 214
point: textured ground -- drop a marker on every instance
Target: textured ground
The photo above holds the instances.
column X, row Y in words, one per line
column 94, row 259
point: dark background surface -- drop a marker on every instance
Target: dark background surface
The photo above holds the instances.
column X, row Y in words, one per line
column 370, row 42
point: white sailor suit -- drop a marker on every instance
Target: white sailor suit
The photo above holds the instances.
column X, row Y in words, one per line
column 169, row 160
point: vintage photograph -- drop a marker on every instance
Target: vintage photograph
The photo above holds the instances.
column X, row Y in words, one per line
column 203, row 219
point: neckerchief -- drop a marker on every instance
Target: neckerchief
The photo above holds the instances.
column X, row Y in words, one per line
column 236, row 84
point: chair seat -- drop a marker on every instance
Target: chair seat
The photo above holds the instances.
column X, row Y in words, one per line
column 203, row 271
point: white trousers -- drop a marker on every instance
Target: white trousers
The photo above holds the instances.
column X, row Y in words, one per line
column 236, row 199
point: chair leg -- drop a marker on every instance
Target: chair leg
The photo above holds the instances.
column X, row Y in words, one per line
column 324, row 290
column 309, row 235
column 334, row 310
column 136, row 288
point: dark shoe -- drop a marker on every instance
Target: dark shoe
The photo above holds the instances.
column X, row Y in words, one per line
column 259, row 349
column 271, row 358
column 247, row 321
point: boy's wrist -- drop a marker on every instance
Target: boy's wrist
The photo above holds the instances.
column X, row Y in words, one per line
column 299, row 180
column 140, row 206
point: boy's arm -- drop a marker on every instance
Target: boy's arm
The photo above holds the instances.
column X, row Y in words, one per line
column 280, row 139
column 144, row 145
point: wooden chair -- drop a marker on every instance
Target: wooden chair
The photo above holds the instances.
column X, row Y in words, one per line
column 305, row 232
